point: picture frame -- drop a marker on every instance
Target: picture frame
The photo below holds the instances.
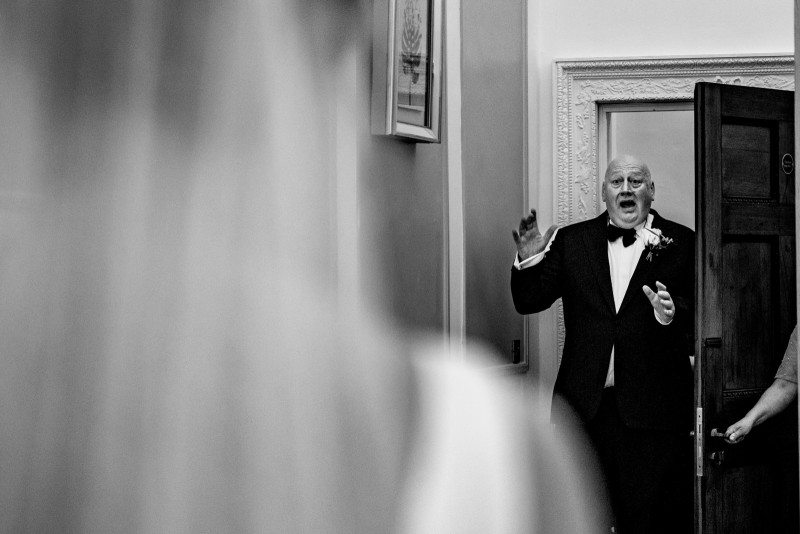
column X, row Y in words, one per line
column 407, row 69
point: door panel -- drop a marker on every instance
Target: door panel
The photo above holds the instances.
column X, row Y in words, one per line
column 746, row 294
column 745, row 306
column 745, row 158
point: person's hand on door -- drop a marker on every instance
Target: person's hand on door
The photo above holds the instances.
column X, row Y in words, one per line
column 738, row 430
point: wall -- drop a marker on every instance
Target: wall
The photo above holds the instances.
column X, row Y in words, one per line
column 493, row 137
column 403, row 191
column 402, row 242
column 572, row 29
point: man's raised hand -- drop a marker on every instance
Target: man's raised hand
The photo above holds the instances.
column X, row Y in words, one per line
column 661, row 301
column 528, row 239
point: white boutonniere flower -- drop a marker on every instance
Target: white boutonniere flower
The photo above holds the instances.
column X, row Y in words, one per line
column 655, row 241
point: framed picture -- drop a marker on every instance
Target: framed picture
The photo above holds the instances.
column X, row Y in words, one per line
column 406, row 69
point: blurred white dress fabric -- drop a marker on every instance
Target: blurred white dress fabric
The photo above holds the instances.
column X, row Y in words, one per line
column 177, row 354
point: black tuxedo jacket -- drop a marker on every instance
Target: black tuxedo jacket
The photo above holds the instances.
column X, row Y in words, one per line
column 652, row 370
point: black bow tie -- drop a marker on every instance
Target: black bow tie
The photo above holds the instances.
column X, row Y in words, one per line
column 628, row 235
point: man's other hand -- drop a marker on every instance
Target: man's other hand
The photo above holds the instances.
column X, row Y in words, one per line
column 661, row 301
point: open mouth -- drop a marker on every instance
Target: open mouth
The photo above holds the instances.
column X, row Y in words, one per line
column 627, row 204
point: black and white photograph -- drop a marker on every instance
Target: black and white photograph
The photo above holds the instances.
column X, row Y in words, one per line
column 399, row 267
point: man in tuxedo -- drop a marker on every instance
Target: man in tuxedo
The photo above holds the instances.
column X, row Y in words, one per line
column 626, row 280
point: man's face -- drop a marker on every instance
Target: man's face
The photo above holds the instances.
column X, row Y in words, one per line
column 627, row 192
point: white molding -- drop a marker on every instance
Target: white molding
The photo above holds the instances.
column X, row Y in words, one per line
column 583, row 84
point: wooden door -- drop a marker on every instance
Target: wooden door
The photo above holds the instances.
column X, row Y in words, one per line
column 744, row 139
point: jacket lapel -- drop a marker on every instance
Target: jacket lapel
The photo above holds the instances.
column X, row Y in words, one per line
column 641, row 273
column 596, row 245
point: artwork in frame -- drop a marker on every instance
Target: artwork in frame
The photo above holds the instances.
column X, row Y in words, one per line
column 406, row 69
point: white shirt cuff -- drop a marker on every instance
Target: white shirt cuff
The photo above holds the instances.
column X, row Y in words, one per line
column 658, row 318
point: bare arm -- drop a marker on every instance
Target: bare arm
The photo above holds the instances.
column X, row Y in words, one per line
column 775, row 399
